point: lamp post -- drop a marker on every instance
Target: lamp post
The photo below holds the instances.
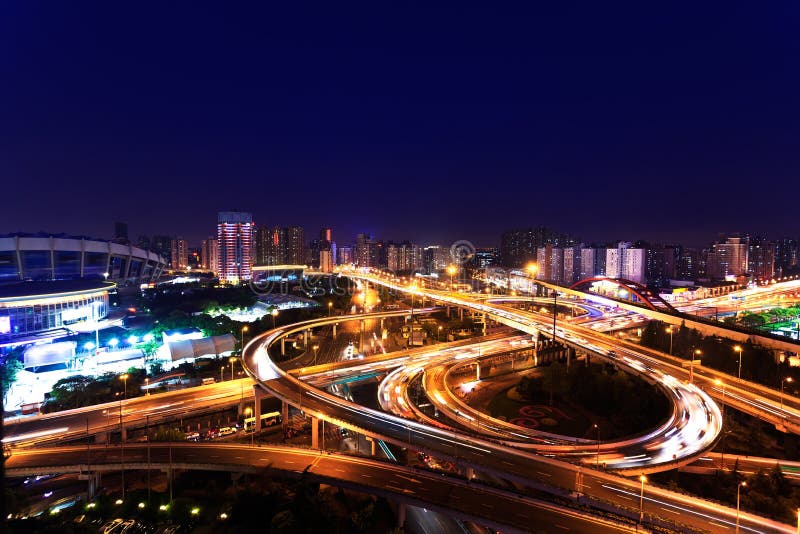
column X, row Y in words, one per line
column 698, row 353
column 147, row 386
column 124, row 379
column 738, row 349
column 783, row 382
column 721, row 384
column 274, row 314
column 597, row 436
column 244, row 329
column 330, row 308
column 439, row 334
column 316, row 348
column 451, row 270
column 738, row 497
column 669, row 331
column 232, row 359
column 532, row 269
column 247, row 412
column 642, row 479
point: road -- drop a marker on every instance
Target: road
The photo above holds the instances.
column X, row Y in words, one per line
column 488, row 456
column 469, row 501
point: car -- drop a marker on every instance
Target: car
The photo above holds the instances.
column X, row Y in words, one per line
column 193, row 436
column 227, row 431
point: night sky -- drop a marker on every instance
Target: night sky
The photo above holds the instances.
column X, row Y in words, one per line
column 670, row 122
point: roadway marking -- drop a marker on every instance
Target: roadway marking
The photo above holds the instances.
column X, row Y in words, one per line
column 414, row 480
column 718, row 525
column 561, row 526
column 544, row 474
column 671, row 511
column 366, row 475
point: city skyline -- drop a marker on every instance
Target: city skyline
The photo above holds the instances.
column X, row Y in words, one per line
column 599, row 125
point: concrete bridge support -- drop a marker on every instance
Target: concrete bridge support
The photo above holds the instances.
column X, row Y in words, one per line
column 334, row 330
column 401, row 515
column 284, row 415
column 305, row 338
column 314, row 433
column 258, row 395
column 283, row 346
column 361, row 336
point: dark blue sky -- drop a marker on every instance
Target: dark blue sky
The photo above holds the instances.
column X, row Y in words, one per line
column 670, row 122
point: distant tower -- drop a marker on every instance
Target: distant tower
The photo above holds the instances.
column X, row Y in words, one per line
column 235, row 236
column 180, row 253
column 209, row 254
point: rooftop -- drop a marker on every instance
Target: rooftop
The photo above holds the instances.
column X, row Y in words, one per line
column 29, row 289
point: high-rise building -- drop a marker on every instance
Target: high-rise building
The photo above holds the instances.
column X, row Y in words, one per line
column 326, row 261
column 345, row 256
column 761, row 258
column 404, row 256
column 179, row 252
column 786, row 256
column 593, row 262
column 366, row 251
column 691, row 265
column 319, row 245
column 209, row 255
column 551, row 263
column 295, row 246
column 626, row 262
column 518, row 247
column 485, row 257
column 435, row 258
column 572, row 265
column 728, row 258
column 235, row 234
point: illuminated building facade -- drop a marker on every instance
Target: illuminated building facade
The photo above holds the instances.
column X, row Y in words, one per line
column 35, row 308
column 235, row 235
column 180, row 254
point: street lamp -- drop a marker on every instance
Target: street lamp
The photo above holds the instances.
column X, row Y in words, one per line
column 147, row 386
column 738, row 349
column 330, row 308
column 451, row 270
column 247, row 412
column 783, row 381
column 697, row 353
column 720, row 383
column 738, row 496
column 232, row 359
column 244, row 329
column 316, row 348
column 642, row 479
column 532, row 269
column 274, row 314
column 439, row 334
column 597, row 432
column 124, row 379
column 669, row 331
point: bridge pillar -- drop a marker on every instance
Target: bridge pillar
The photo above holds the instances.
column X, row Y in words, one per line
column 284, row 415
column 361, row 336
column 469, row 473
column 461, row 314
column 334, row 330
column 305, row 338
column 314, row 433
column 283, row 346
column 382, row 323
column 477, row 371
column 401, row 515
column 258, row 396
column 93, row 483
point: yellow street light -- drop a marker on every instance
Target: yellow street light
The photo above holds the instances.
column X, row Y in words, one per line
column 642, row 479
column 738, row 350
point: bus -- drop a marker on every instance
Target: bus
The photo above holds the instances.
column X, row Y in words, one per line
column 267, row 419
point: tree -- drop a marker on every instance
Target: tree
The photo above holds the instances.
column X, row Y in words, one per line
column 9, row 368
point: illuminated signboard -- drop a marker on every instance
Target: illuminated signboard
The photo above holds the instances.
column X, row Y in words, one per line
column 5, row 325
